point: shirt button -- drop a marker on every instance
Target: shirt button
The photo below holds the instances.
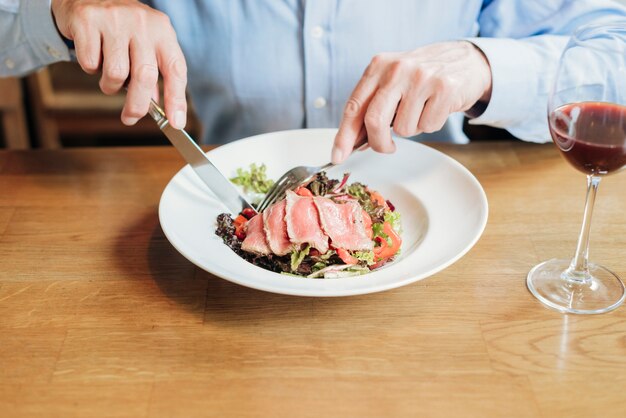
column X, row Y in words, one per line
column 319, row 103
column 9, row 63
column 53, row 52
column 317, row 32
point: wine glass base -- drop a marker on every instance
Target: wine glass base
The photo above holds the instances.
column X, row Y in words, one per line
column 602, row 292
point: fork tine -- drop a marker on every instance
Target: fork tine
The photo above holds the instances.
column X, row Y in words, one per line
column 280, row 193
column 288, row 184
column 269, row 199
column 263, row 203
column 276, row 190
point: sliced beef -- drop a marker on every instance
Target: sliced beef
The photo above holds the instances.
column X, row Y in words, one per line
column 255, row 241
column 303, row 222
column 344, row 224
column 276, row 229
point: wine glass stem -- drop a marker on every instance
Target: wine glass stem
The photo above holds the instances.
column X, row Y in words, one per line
column 578, row 270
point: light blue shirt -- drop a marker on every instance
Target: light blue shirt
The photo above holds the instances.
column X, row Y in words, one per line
column 264, row 65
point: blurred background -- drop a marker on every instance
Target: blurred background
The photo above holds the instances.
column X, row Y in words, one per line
column 60, row 106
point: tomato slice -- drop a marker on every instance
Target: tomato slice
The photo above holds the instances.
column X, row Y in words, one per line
column 248, row 213
column 385, row 250
column 240, row 232
column 239, row 220
column 303, row 191
column 378, row 198
column 240, row 225
column 346, row 257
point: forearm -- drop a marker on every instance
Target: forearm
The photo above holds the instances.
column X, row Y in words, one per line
column 28, row 37
column 523, row 41
column 522, row 71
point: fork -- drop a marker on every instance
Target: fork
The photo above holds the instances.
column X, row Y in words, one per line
column 298, row 176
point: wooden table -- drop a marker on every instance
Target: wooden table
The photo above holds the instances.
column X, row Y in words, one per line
column 100, row 316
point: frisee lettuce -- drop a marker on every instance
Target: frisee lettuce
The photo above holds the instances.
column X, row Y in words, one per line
column 367, row 256
column 358, row 190
column 394, row 220
column 373, row 209
column 377, row 230
column 253, row 180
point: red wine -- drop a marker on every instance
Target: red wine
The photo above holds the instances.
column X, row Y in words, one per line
column 591, row 135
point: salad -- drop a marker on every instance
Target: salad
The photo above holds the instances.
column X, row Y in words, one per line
column 327, row 228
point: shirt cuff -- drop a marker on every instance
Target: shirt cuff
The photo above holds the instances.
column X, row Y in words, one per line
column 513, row 80
column 41, row 32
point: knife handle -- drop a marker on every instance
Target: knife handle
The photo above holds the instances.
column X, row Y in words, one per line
column 157, row 114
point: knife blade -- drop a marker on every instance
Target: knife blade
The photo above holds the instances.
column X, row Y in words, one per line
column 225, row 191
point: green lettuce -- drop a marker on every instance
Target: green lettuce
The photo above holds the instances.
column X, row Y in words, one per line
column 254, row 180
column 377, row 230
column 394, row 220
column 366, row 256
column 374, row 210
column 297, row 256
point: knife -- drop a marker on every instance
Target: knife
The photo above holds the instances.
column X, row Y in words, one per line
column 225, row 191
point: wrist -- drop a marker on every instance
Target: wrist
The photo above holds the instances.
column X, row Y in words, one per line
column 55, row 5
column 476, row 110
column 56, row 10
column 486, row 73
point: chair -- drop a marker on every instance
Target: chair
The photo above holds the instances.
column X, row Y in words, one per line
column 12, row 115
column 67, row 102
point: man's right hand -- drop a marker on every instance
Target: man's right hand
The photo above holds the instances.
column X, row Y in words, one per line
column 127, row 40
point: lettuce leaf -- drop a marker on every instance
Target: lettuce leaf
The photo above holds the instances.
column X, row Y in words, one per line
column 253, row 180
column 377, row 230
column 374, row 210
column 297, row 256
column 394, row 220
column 366, row 256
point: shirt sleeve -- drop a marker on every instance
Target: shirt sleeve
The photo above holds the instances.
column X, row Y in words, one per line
column 523, row 41
column 28, row 37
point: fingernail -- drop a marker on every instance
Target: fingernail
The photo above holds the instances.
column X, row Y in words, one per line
column 128, row 121
column 180, row 119
column 337, row 156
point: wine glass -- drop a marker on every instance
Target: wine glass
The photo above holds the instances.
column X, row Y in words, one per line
column 587, row 118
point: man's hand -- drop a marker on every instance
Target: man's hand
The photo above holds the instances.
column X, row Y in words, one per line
column 127, row 40
column 413, row 91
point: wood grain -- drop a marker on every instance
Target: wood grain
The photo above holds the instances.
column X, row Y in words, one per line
column 100, row 316
column 5, row 217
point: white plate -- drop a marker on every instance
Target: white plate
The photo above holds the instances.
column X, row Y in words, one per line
column 443, row 208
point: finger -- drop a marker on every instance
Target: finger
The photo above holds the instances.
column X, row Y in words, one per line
column 353, row 116
column 435, row 113
column 361, row 139
column 115, row 64
column 88, row 44
column 408, row 114
column 379, row 117
column 156, row 94
column 144, row 76
column 174, row 70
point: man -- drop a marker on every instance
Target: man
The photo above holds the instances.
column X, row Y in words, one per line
column 264, row 65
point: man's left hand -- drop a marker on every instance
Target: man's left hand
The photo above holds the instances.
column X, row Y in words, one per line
column 413, row 92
